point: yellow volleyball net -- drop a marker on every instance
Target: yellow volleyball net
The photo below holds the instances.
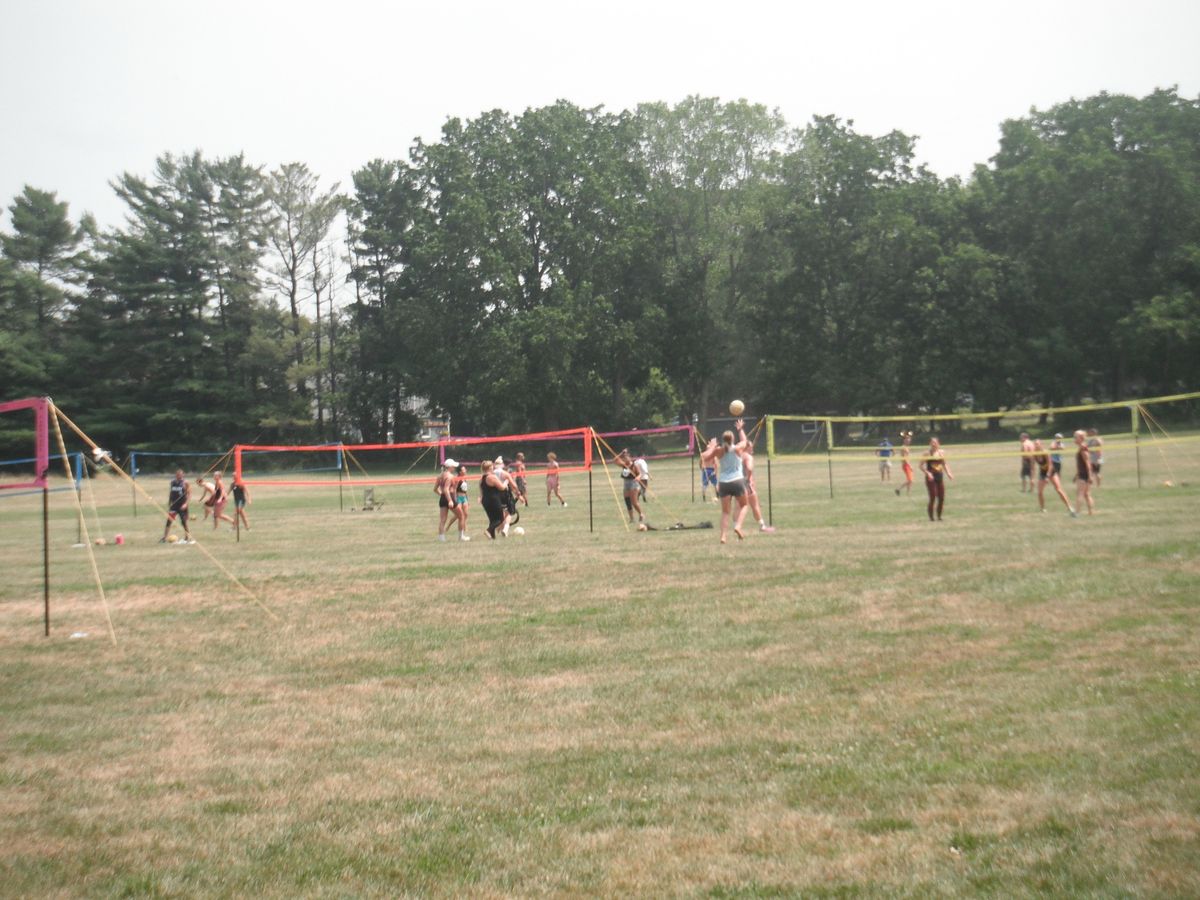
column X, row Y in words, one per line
column 1142, row 442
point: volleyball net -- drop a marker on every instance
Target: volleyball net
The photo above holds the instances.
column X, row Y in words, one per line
column 668, row 442
column 25, row 423
column 413, row 462
column 1155, row 440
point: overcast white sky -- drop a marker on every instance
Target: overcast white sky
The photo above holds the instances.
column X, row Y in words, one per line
column 93, row 88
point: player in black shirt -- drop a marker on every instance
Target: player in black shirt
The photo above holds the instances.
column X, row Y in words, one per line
column 177, row 506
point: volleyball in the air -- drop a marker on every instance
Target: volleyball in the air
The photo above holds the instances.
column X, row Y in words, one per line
column 736, row 408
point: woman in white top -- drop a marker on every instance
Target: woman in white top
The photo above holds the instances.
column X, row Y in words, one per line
column 731, row 479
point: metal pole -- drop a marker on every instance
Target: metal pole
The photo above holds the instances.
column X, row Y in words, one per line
column 79, row 506
column 770, row 506
column 1137, row 448
column 341, row 502
column 693, row 473
column 132, row 479
column 591, row 521
column 829, row 453
column 46, row 555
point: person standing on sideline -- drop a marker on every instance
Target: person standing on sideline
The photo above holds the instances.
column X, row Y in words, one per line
column 906, row 461
column 177, row 506
column 1083, row 474
column 936, row 468
column 885, row 459
column 552, row 478
column 1026, row 463
column 731, row 478
column 1046, row 473
column 1096, row 452
column 751, row 490
column 241, row 499
column 443, row 486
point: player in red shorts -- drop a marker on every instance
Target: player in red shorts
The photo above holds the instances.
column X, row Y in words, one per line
column 906, row 461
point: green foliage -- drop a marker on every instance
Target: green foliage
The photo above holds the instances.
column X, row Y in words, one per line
column 571, row 265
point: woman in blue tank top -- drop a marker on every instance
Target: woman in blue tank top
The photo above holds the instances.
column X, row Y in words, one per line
column 731, row 478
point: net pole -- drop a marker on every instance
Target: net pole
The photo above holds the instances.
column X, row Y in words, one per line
column 46, row 557
column 770, row 506
column 132, row 463
column 79, row 505
column 829, row 452
column 591, row 520
column 341, row 501
column 79, row 491
column 693, row 458
column 1137, row 448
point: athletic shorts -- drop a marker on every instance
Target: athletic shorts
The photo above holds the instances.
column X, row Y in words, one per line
column 1057, row 466
column 1026, row 468
column 708, row 477
column 908, row 470
column 521, row 485
column 461, row 500
column 732, row 488
column 551, row 482
column 181, row 513
column 240, row 504
column 443, row 503
column 885, row 464
column 1096, row 468
column 1043, row 475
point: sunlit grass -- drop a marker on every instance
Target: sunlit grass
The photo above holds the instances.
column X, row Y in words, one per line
column 863, row 702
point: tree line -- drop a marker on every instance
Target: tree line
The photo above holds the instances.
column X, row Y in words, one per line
column 620, row 269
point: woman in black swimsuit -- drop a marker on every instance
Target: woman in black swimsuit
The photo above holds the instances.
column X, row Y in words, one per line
column 491, row 495
column 1083, row 474
column 934, row 466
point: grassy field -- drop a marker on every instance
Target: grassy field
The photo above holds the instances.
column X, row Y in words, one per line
column 863, row 703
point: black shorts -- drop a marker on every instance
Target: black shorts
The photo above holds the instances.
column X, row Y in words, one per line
column 443, row 503
column 494, row 507
column 181, row 513
column 1026, row 468
column 1043, row 474
column 1057, row 466
column 1096, row 468
column 732, row 488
